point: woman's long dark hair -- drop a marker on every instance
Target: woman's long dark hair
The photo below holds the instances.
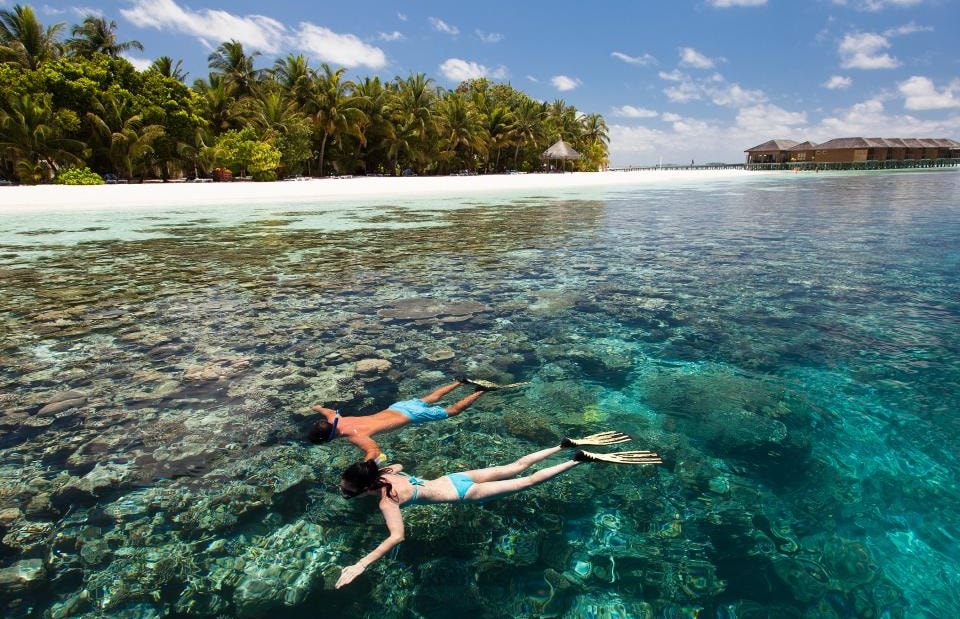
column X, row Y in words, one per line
column 367, row 475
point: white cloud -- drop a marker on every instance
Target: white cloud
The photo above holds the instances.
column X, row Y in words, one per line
column 921, row 94
column 685, row 138
column 564, row 83
column 769, row 119
column 340, row 49
column 86, row 11
column 683, row 92
column 715, row 88
column 533, row 79
column 402, row 16
column 910, row 28
column 673, row 76
column 690, row 57
column 256, row 32
column 838, row 82
column 629, row 111
column 862, row 50
column 390, row 37
column 441, row 26
column 723, row 4
column 733, row 95
column 640, row 61
column 489, row 37
column 458, row 70
column 876, row 5
column 140, row 64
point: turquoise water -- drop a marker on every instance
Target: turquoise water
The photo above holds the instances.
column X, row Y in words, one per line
column 789, row 344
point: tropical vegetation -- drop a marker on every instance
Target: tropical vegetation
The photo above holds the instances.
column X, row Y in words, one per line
column 74, row 102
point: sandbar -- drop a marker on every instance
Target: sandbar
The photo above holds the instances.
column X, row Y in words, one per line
column 103, row 197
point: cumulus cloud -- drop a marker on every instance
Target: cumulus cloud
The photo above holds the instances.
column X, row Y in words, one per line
column 838, row 82
column 564, row 83
column 864, row 50
column 489, row 37
column 629, row 111
column 690, row 57
column 256, row 32
column 684, row 138
column 713, row 88
column 441, row 26
column 876, row 5
column 910, row 28
column 723, row 4
column 140, row 64
column 769, row 119
column 641, row 61
column 458, row 70
column 920, row 93
column 390, row 37
column 341, row 49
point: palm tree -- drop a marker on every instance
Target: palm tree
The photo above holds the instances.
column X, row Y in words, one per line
column 594, row 129
column 166, row 67
column 235, row 66
column 527, row 125
column 30, row 137
column 562, row 121
column 377, row 131
column 217, row 103
column 95, row 35
column 293, row 75
column 332, row 108
column 500, row 132
column 414, row 118
column 122, row 134
column 24, row 42
column 461, row 130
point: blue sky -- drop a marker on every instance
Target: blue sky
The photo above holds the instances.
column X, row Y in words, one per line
column 679, row 80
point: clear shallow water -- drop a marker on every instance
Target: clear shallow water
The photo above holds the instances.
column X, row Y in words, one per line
column 789, row 344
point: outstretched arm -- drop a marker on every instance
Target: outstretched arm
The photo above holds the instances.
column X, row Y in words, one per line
column 371, row 451
column 391, row 513
column 328, row 413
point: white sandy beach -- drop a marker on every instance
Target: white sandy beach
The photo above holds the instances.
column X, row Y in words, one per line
column 99, row 197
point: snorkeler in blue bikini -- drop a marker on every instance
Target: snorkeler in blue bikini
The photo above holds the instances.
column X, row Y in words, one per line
column 359, row 430
column 397, row 490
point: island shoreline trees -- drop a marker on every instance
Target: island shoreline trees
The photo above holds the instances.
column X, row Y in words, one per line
column 78, row 103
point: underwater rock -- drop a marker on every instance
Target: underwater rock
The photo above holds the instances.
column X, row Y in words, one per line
column 28, row 536
column 221, row 368
column 282, row 569
column 373, row 366
column 422, row 309
column 530, row 426
column 63, row 401
column 21, row 577
column 9, row 515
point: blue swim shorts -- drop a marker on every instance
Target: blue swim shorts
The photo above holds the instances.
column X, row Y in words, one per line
column 419, row 411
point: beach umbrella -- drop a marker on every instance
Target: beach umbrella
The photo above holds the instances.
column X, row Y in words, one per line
column 560, row 151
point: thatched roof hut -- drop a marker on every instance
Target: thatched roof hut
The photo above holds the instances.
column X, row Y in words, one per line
column 560, row 151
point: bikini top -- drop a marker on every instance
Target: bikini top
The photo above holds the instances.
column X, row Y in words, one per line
column 416, row 482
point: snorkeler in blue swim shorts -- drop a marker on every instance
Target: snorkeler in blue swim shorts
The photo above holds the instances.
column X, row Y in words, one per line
column 359, row 430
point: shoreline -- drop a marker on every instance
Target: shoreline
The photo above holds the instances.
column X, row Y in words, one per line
column 21, row 199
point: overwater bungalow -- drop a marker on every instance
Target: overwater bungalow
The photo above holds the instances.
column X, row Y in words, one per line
column 856, row 153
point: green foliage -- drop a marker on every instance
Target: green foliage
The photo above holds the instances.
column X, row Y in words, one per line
column 78, row 176
column 263, row 158
column 79, row 103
